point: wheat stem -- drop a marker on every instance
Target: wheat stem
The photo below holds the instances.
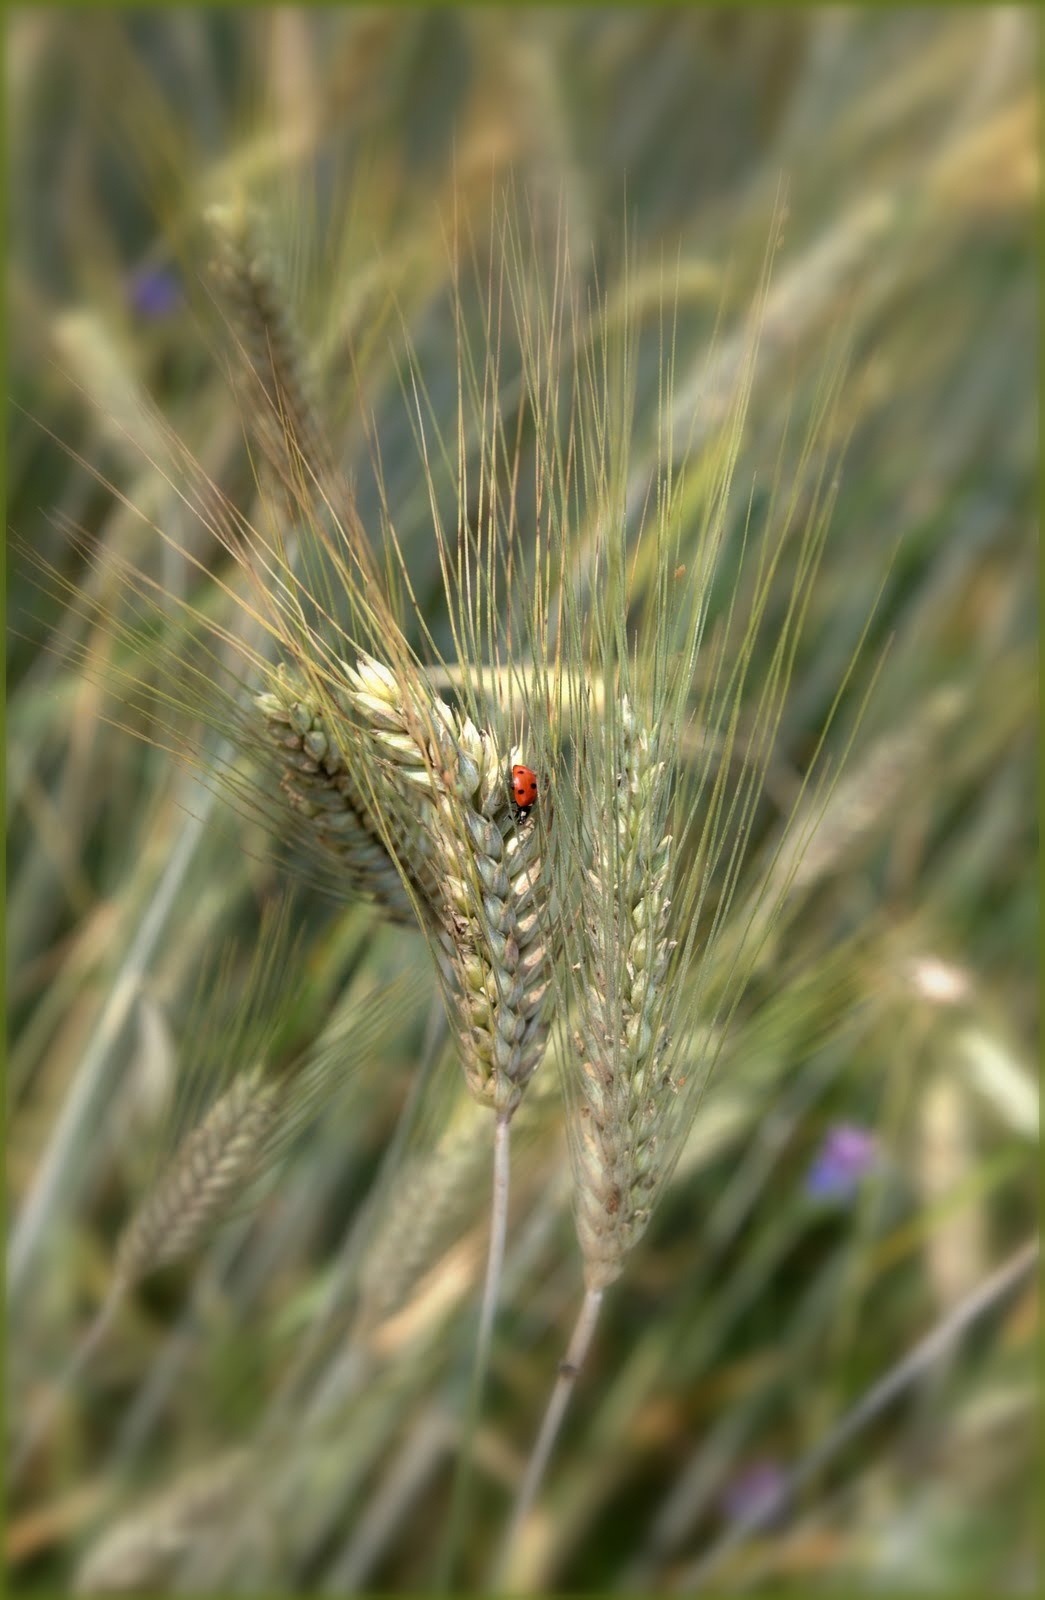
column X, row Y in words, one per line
column 382, row 1520
column 569, row 1371
column 41, row 1424
column 498, row 1232
column 60, row 1167
column 481, row 1363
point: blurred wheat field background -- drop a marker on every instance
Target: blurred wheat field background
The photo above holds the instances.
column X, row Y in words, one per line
column 818, row 1367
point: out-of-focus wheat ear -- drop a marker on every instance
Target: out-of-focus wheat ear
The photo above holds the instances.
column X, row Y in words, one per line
column 434, row 1197
column 205, row 1176
column 141, row 1550
column 824, row 831
column 272, row 375
column 450, row 821
column 317, row 781
column 620, row 1093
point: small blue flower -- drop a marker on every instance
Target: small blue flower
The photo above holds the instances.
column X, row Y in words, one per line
column 756, row 1491
column 846, row 1156
column 155, row 292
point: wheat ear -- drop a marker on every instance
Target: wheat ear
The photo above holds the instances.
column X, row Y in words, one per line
column 454, row 828
column 318, row 782
column 140, row 1551
column 457, row 833
column 433, row 1197
column 272, row 374
column 404, row 736
column 209, row 1169
column 275, row 383
column 212, row 1165
column 620, row 1093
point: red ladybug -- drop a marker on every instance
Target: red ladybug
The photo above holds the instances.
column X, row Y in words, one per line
column 524, row 787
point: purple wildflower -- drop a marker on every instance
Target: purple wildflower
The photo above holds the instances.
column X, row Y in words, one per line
column 846, row 1156
column 155, row 292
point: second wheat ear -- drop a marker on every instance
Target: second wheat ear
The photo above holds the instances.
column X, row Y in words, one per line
column 619, row 1093
column 622, row 1092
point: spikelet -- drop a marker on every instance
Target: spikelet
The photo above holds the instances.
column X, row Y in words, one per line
column 620, row 1091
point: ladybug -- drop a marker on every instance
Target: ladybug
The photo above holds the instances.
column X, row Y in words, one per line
column 524, row 787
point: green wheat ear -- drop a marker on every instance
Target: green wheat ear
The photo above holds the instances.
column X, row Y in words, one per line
column 621, row 1093
column 433, row 1196
column 453, row 827
column 142, row 1549
column 317, row 780
column 207, row 1173
column 271, row 374
column 258, row 1096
